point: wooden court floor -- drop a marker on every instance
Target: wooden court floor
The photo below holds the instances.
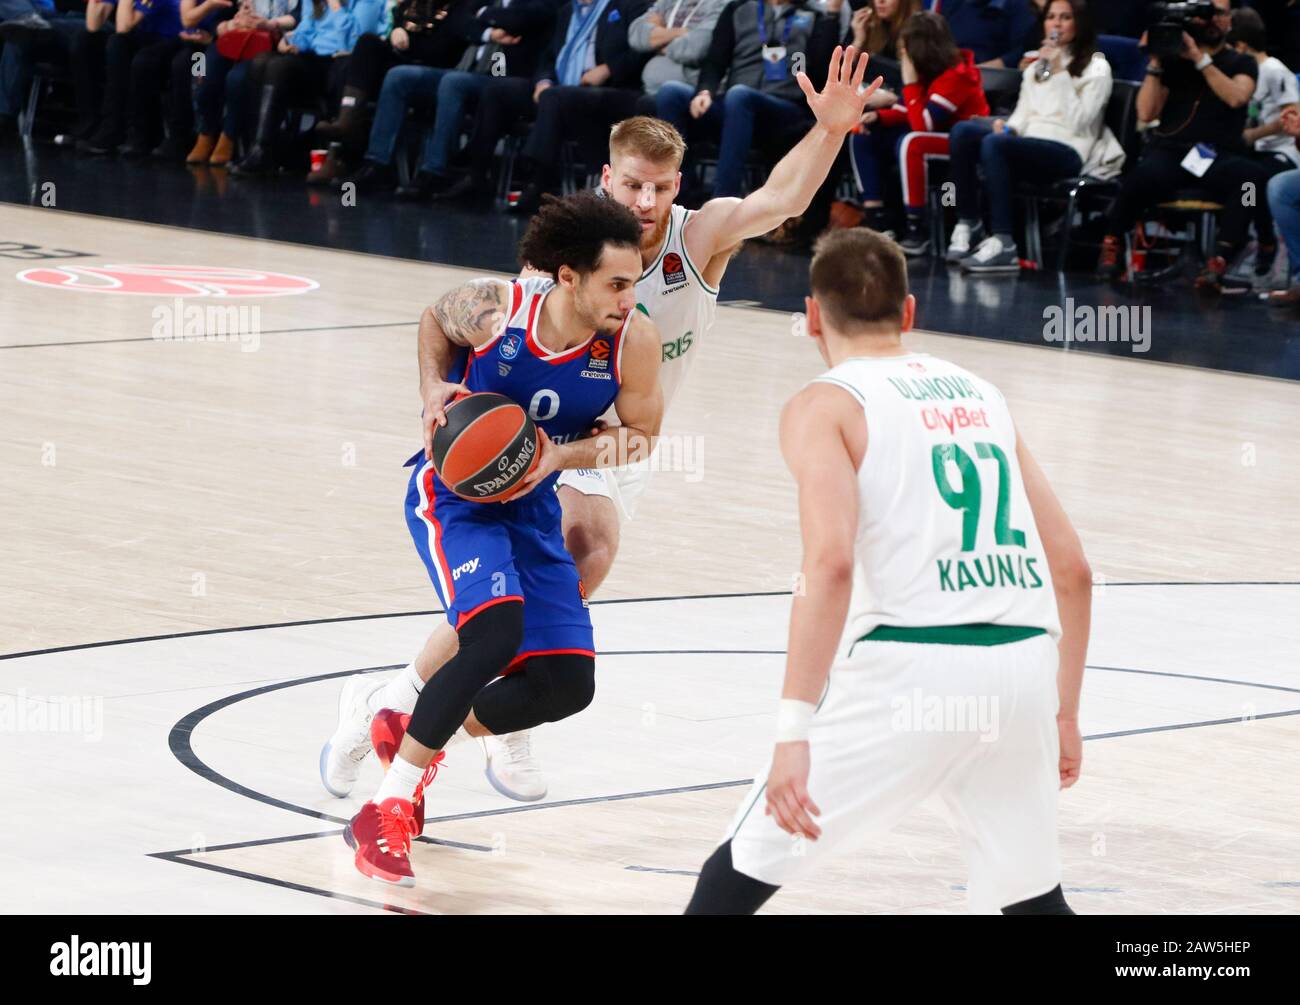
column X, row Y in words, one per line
column 226, row 515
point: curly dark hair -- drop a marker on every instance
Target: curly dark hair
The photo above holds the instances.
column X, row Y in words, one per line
column 573, row 231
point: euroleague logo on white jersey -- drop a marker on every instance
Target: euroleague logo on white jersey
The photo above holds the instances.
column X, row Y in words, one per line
column 168, row 280
column 674, row 270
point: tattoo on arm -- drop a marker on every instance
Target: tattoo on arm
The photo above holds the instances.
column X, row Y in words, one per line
column 472, row 311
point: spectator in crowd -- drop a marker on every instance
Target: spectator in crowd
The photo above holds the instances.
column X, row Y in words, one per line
column 137, row 62
column 1282, row 23
column 756, row 46
column 588, row 48
column 583, row 111
column 941, row 87
column 1200, row 98
column 216, row 100
column 1284, row 200
column 1275, row 92
column 874, row 28
column 502, row 42
column 676, row 35
column 303, row 67
column 1058, row 130
column 199, row 22
column 27, row 37
column 424, row 33
column 997, row 31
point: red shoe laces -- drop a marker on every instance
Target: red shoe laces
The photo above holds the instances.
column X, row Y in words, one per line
column 430, row 773
column 395, row 829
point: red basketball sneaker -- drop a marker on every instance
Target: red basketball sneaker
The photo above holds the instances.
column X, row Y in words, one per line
column 386, row 732
column 381, row 836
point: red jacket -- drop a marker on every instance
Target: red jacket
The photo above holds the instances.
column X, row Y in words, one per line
column 955, row 94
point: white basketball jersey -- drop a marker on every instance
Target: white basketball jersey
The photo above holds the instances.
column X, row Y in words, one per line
column 678, row 301
column 945, row 532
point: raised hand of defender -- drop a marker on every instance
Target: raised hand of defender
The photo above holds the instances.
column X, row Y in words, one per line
column 839, row 106
column 787, row 790
column 436, row 397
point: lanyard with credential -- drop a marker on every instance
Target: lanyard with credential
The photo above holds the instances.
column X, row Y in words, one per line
column 776, row 67
column 762, row 27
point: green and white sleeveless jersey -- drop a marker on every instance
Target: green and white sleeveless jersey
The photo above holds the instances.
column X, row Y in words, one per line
column 678, row 301
column 945, row 532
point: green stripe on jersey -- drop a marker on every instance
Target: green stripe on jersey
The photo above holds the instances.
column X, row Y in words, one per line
column 954, row 635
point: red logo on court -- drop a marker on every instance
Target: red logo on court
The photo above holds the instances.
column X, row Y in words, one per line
column 168, row 280
column 674, row 271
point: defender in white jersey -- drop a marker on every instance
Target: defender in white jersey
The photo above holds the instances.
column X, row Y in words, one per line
column 684, row 254
column 938, row 647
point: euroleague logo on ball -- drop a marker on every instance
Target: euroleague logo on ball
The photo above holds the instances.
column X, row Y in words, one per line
column 168, row 280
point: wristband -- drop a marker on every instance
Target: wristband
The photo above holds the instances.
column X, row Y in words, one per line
column 1204, row 61
column 793, row 719
column 1155, row 71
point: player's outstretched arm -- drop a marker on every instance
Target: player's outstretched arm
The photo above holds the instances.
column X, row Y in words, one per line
column 640, row 409
column 466, row 316
column 723, row 223
column 823, row 437
column 1072, row 580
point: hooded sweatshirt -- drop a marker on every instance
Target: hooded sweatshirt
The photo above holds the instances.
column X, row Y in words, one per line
column 954, row 95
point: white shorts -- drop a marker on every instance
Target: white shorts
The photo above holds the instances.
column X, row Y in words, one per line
column 901, row 721
column 621, row 486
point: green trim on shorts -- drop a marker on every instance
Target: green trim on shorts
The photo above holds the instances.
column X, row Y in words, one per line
column 954, row 635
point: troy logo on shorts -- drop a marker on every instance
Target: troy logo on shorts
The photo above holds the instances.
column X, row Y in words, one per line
column 168, row 280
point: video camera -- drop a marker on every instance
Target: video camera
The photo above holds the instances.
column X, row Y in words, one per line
column 1170, row 20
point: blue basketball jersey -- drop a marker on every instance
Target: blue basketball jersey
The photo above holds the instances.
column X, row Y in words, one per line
column 563, row 392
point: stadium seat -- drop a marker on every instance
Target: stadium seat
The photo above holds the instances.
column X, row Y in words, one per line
column 1127, row 61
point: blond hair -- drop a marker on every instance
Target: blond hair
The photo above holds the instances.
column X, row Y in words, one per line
column 654, row 139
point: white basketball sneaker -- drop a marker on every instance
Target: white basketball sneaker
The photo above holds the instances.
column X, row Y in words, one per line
column 343, row 753
column 511, row 767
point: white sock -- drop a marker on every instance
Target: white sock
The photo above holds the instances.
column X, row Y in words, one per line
column 400, row 780
column 400, row 693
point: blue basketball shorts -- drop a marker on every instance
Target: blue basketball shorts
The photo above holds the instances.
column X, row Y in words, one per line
column 478, row 554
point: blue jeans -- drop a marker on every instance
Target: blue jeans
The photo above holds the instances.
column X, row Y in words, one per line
column 457, row 91
column 210, row 96
column 1284, row 201
column 236, row 97
column 733, row 118
column 447, row 92
column 869, row 152
column 17, row 59
column 11, row 10
column 1003, row 156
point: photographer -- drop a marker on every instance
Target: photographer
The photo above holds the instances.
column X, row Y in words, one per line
column 1200, row 98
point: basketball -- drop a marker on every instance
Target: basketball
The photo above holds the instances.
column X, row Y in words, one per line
column 487, row 447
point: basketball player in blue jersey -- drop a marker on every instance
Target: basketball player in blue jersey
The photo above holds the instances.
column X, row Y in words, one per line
column 684, row 255
column 566, row 348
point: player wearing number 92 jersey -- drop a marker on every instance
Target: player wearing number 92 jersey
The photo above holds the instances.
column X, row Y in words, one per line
column 938, row 640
